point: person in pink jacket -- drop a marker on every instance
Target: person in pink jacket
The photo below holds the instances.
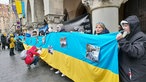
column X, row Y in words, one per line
column 32, row 57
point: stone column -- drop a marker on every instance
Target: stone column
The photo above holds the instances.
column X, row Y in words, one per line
column 53, row 12
column 32, row 10
column 53, row 20
column 105, row 11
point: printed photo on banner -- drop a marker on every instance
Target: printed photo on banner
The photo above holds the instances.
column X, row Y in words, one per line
column 63, row 42
column 50, row 49
column 92, row 52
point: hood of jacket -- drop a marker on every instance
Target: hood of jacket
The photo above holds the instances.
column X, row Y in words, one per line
column 105, row 31
column 134, row 24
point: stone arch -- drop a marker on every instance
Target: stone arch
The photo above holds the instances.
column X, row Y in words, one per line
column 81, row 9
column 71, row 6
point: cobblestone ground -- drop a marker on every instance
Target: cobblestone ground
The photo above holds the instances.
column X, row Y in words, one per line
column 13, row 69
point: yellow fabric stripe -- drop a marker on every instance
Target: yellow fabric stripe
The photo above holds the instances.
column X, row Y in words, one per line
column 18, row 6
column 77, row 70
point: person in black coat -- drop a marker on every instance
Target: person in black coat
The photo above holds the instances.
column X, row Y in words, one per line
column 132, row 51
column 19, row 45
column 3, row 40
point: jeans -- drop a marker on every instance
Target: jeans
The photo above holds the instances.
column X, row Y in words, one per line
column 36, row 59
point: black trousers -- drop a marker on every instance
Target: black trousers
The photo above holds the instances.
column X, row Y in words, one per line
column 12, row 52
column 3, row 45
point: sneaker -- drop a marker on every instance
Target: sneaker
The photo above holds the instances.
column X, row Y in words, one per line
column 28, row 67
column 52, row 68
column 35, row 66
column 57, row 72
column 62, row 75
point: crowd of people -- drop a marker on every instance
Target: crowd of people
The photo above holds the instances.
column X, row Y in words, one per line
column 12, row 42
column 9, row 42
column 131, row 42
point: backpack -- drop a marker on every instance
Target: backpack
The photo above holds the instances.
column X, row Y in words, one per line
column 23, row 54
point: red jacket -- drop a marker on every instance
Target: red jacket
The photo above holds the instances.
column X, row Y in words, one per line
column 29, row 58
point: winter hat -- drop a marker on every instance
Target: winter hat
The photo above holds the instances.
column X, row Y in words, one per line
column 102, row 25
column 4, row 34
column 123, row 22
column 11, row 35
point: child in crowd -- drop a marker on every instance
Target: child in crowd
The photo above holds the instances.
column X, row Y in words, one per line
column 11, row 42
column 32, row 57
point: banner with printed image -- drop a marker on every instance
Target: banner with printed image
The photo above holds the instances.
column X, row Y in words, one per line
column 68, row 52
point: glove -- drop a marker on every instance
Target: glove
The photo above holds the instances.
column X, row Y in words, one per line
column 39, row 51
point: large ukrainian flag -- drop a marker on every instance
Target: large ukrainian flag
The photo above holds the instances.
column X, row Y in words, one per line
column 71, row 59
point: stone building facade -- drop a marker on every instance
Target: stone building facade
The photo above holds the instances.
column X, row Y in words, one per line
column 4, row 18
column 110, row 12
column 7, row 19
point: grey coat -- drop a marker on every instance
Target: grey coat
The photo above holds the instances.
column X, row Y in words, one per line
column 132, row 53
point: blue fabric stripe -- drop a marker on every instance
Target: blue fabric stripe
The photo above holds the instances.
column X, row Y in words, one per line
column 23, row 8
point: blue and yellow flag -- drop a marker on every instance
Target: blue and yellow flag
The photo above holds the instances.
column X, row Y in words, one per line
column 81, row 57
column 18, row 6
